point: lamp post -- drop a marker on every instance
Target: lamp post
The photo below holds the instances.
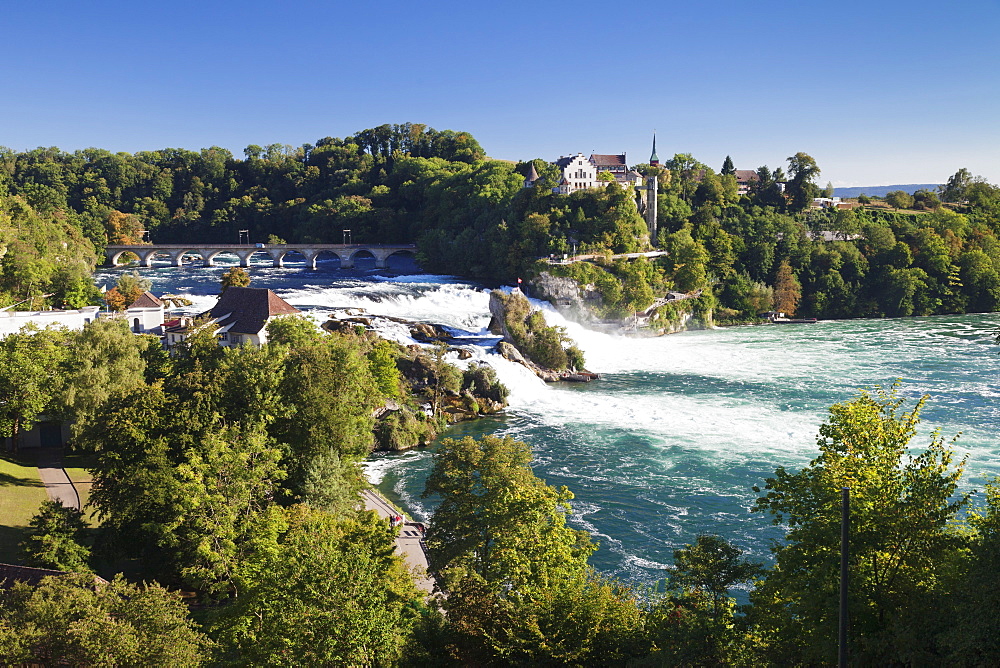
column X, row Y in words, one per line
column 845, row 529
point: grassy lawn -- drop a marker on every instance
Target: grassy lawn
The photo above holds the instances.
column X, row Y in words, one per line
column 21, row 493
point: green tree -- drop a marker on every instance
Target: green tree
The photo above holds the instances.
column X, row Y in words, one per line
column 131, row 285
column 224, row 487
column 30, row 378
column 236, row 277
column 320, row 591
column 496, row 518
column 973, row 635
column 713, row 566
column 519, row 588
column 728, row 167
column 956, row 190
column 899, row 199
column 382, row 360
column 330, row 393
column 901, row 507
column 804, row 171
column 104, row 358
column 73, row 620
column 55, row 539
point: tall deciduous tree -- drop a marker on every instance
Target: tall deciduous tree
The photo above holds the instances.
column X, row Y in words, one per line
column 787, row 290
column 519, row 588
column 30, row 378
column 804, row 171
column 901, row 506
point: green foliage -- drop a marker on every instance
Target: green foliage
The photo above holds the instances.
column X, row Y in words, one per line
column 43, row 252
column 519, row 588
column 131, row 286
column 320, row 591
column 236, row 277
column 329, row 386
column 901, row 507
column 30, row 378
column 899, row 199
column 544, row 344
column 496, row 518
column 72, row 620
column 104, row 358
column 55, row 539
column 382, row 361
column 712, row 566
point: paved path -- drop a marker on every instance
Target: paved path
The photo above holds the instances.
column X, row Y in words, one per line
column 57, row 484
column 409, row 542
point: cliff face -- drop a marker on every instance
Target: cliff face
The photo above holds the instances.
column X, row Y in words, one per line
column 577, row 302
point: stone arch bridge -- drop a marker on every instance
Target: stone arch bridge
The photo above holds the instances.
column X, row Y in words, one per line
column 277, row 252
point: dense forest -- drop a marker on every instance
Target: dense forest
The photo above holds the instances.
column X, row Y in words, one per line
column 471, row 216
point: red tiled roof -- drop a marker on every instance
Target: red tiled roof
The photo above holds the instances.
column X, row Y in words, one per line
column 607, row 160
column 147, row 300
column 743, row 175
column 248, row 309
column 10, row 573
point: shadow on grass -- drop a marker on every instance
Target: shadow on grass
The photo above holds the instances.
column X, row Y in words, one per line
column 10, row 538
column 8, row 480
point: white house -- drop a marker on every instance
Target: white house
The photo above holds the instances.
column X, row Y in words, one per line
column 578, row 173
column 145, row 315
column 240, row 316
column 13, row 321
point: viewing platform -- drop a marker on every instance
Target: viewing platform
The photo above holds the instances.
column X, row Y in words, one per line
column 277, row 252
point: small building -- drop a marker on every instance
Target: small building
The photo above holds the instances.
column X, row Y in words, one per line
column 578, row 174
column 240, row 316
column 745, row 180
column 12, row 321
column 145, row 314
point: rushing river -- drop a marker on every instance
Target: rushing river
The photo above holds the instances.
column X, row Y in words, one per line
column 668, row 444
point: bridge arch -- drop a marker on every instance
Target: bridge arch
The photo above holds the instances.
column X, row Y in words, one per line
column 327, row 254
column 280, row 255
column 363, row 254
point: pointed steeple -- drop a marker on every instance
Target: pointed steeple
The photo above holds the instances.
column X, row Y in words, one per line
column 653, row 160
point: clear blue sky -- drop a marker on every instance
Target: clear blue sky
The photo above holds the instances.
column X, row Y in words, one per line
column 878, row 93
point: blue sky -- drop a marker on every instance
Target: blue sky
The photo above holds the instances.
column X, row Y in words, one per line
column 878, row 93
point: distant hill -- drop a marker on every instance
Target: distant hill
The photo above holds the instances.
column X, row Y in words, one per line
column 880, row 191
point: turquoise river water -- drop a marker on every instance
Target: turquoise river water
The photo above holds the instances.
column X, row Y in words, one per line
column 669, row 442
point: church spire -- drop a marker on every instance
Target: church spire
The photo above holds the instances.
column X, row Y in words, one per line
column 653, row 160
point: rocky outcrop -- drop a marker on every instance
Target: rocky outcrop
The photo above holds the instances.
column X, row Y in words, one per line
column 509, row 352
column 577, row 302
column 428, row 333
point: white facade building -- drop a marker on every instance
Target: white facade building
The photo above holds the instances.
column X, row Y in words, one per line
column 13, row 321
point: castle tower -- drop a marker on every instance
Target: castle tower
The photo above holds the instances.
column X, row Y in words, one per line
column 653, row 160
column 652, row 186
